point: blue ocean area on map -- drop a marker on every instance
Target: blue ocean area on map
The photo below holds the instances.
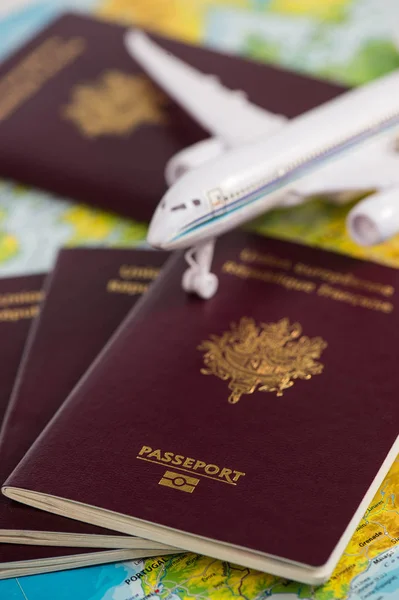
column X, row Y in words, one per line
column 94, row 583
column 10, row 590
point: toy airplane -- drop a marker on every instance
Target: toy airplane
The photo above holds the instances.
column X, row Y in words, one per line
column 256, row 161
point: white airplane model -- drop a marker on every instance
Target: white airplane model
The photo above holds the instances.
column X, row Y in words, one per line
column 256, row 161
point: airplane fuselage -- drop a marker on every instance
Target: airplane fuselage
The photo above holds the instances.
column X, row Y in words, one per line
column 247, row 181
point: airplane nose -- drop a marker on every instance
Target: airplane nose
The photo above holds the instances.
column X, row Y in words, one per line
column 158, row 231
column 154, row 234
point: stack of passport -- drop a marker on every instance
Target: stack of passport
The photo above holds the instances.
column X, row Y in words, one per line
column 139, row 420
column 144, row 421
column 86, row 297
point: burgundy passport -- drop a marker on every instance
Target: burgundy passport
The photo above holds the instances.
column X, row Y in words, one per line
column 19, row 304
column 78, row 116
column 254, row 427
column 87, row 297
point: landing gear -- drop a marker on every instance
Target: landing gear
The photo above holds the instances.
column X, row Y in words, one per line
column 203, row 285
column 198, row 279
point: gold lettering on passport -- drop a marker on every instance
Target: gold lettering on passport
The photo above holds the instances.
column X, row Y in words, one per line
column 128, row 283
column 17, row 314
column 265, row 358
column 21, row 297
column 136, row 272
column 346, row 279
column 253, row 256
column 196, row 469
column 354, row 299
column 35, row 70
column 287, row 281
column 12, row 309
column 116, row 104
column 131, row 288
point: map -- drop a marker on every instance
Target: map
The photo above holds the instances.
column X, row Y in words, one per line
column 351, row 41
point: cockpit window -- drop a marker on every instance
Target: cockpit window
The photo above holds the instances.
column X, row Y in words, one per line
column 196, row 202
column 179, row 207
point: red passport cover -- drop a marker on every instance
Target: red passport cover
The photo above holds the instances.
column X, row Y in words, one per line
column 258, row 418
column 20, row 298
column 88, row 295
column 79, row 118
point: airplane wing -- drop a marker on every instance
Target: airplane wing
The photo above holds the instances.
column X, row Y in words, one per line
column 225, row 113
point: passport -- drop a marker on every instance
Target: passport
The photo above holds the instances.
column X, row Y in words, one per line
column 20, row 299
column 88, row 294
column 254, row 427
column 78, row 116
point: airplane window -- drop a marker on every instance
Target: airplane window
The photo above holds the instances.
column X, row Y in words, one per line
column 178, row 207
column 196, row 202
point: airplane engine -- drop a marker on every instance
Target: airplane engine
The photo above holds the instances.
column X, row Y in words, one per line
column 192, row 157
column 375, row 219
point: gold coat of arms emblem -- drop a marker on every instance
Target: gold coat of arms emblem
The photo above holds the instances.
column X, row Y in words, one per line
column 116, row 105
column 268, row 357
